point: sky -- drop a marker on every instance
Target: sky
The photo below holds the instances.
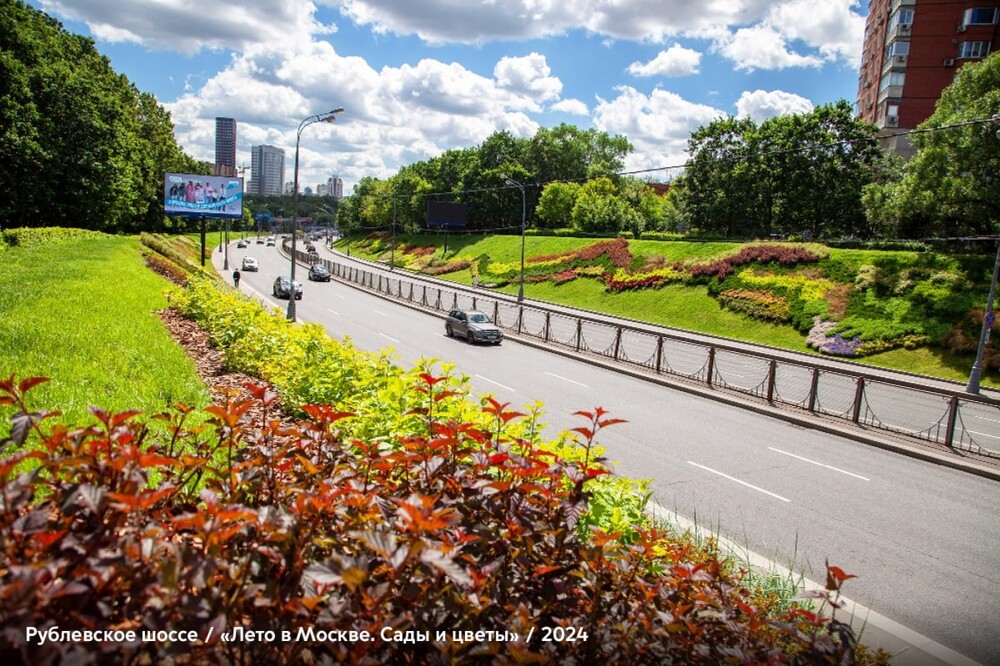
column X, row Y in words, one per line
column 419, row 77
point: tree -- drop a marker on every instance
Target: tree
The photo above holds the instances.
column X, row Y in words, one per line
column 600, row 209
column 790, row 174
column 555, row 206
column 79, row 145
column 951, row 186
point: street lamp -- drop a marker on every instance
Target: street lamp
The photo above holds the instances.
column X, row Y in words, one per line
column 524, row 221
column 327, row 117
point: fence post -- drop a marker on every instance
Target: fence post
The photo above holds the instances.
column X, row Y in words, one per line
column 618, row 341
column 548, row 324
column 711, row 366
column 474, row 303
column 772, row 375
column 659, row 352
column 454, row 301
column 437, row 303
column 520, row 319
column 813, row 389
column 379, row 282
column 949, row 435
column 496, row 312
column 859, row 395
column 579, row 334
column 423, row 297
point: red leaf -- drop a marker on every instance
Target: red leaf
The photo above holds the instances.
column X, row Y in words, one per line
column 27, row 384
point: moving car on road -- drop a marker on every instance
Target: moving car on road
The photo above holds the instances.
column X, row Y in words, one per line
column 241, row 244
column 250, row 264
column 475, row 326
column 282, row 288
column 319, row 273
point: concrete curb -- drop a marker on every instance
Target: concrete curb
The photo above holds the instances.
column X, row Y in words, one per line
column 908, row 647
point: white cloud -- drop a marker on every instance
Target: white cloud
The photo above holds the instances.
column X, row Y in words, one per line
column 658, row 125
column 760, row 105
column 528, row 76
column 392, row 117
column 675, row 61
column 439, row 21
column 572, row 106
column 762, row 47
column 830, row 26
column 188, row 27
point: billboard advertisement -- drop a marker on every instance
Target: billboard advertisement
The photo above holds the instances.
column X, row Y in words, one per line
column 202, row 196
column 446, row 215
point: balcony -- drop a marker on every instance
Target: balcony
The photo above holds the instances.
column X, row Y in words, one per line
column 896, row 4
column 889, row 92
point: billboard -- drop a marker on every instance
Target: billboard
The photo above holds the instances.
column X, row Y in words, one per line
column 202, row 196
column 446, row 215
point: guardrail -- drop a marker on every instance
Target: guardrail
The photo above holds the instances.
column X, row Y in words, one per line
column 952, row 418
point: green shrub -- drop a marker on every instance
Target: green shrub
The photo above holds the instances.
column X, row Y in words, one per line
column 35, row 236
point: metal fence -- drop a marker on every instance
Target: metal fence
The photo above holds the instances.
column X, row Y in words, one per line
column 952, row 418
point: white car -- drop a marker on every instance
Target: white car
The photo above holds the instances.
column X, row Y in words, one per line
column 270, row 241
column 250, row 264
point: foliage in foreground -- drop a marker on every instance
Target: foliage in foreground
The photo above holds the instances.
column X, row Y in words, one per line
column 460, row 529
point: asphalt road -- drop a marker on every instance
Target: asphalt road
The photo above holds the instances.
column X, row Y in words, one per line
column 923, row 540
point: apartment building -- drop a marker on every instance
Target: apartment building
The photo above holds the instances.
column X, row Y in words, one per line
column 912, row 50
column 225, row 147
column 267, row 163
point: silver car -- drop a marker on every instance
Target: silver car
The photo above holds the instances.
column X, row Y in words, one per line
column 281, row 288
column 473, row 325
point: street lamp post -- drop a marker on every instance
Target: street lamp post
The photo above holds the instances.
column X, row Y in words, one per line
column 524, row 222
column 327, row 117
column 988, row 317
column 392, row 250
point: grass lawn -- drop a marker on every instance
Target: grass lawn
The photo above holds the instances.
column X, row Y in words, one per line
column 83, row 313
column 678, row 306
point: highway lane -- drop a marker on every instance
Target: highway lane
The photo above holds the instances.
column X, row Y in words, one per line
column 923, row 540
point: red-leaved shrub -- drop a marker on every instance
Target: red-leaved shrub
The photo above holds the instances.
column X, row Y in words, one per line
column 134, row 526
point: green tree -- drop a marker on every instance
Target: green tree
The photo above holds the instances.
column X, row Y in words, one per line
column 600, row 209
column 555, row 206
column 79, row 145
column 951, row 186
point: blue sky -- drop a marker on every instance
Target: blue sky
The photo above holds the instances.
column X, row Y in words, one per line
column 418, row 77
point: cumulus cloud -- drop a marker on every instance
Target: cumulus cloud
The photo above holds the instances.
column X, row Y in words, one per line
column 658, row 125
column 760, row 105
column 392, row 117
column 832, row 26
column 571, row 106
column 528, row 76
column 188, row 27
column 675, row 61
column 762, row 47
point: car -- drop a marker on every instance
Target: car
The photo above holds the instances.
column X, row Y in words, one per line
column 319, row 273
column 270, row 241
column 241, row 244
column 260, row 241
column 281, row 288
column 250, row 264
column 312, row 251
column 474, row 325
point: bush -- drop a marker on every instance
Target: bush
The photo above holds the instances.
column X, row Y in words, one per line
column 34, row 236
column 761, row 305
column 459, row 529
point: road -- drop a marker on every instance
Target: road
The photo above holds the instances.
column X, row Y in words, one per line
column 923, row 540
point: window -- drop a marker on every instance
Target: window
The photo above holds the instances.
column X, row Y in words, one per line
column 973, row 49
column 897, row 49
column 902, row 17
column 892, row 79
column 980, row 16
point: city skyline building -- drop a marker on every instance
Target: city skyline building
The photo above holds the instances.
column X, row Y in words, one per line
column 912, row 50
column 267, row 164
column 225, row 147
column 333, row 187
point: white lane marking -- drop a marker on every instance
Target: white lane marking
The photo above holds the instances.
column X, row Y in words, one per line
column 388, row 338
column 551, row 374
column 984, row 434
column 835, row 469
column 486, row 379
column 341, row 296
column 333, row 311
column 379, row 312
column 748, row 485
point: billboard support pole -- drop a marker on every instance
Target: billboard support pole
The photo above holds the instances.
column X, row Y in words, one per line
column 202, row 218
column 225, row 261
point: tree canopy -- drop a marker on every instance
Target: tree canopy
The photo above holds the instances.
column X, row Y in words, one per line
column 80, row 146
column 950, row 187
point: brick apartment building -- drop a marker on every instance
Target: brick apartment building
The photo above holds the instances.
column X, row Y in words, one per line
column 912, row 50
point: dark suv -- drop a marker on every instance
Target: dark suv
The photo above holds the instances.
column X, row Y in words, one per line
column 281, row 288
column 473, row 325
